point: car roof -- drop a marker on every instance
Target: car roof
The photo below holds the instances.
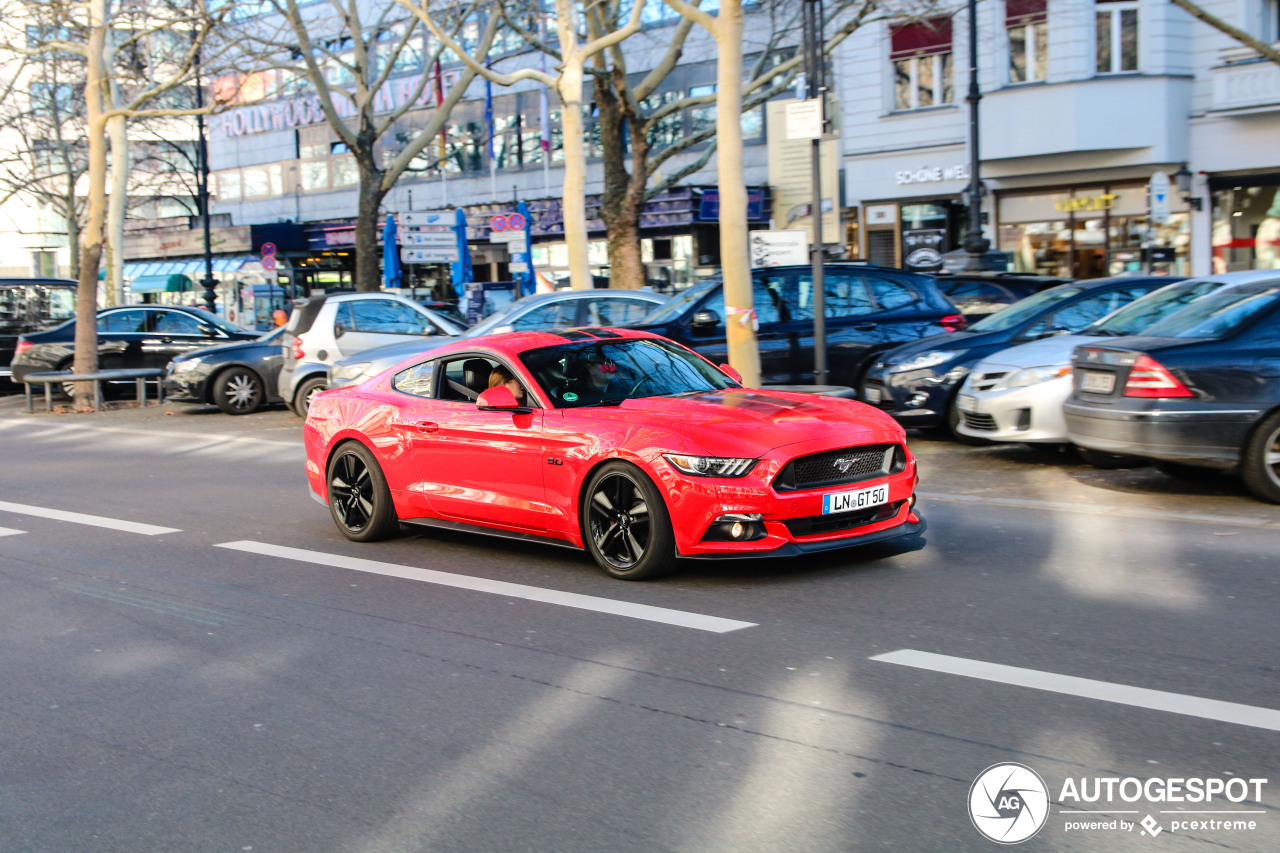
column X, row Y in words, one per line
column 1241, row 276
column 514, row 343
column 555, row 295
column 1120, row 280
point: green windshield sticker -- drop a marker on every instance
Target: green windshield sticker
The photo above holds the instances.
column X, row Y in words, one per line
column 570, row 397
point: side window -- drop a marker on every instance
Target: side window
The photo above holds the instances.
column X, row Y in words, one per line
column 846, row 295
column 772, row 296
column 464, row 378
column 617, row 311
column 174, row 323
column 890, row 294
column 416, row 380
column 556, row 315
column 127, row 322
column 382, row 316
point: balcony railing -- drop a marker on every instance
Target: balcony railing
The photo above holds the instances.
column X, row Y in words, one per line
column 1245, row 81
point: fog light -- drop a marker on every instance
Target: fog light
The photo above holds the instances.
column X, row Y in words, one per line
column 736, row 527
column 737, row 530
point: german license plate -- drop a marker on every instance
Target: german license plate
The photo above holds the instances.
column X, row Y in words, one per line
column 871, row 395
column 855, row 500
column 967, row 403
column 1098, row 382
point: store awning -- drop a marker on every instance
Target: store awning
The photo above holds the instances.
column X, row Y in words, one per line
column 153, row 276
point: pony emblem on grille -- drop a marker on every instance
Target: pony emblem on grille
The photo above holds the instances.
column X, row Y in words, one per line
column 843, row 465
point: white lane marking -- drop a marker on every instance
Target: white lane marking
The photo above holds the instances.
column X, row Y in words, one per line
column 82, row 518
column 646, row 612
column 1094, row 509
column 1105, row 691
column 45, row 429
column 9, row 531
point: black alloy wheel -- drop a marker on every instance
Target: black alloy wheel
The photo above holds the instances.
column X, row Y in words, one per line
column 238, row 391
column 628, row 530
column 359, row 499
column 1260, row 462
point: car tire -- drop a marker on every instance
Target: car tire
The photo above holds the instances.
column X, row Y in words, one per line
column 238, row 391
column 1109, row 461
column 625, row 524
column 305, row 394
column 359, row 499
column 1260, row 462
column 1187, row 473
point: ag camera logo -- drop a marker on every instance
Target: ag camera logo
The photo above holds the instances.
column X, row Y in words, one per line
column 1008, row 803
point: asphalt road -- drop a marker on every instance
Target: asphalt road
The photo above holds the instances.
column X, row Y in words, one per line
column 299, row 692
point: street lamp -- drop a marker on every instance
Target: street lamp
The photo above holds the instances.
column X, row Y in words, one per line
column 1183, row 178
column 202, row 192
column 817, row 90
column 974, row 243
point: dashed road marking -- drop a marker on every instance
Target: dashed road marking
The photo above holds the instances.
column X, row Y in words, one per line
column 610, row 606
column 92, row 520
column 1087, row 688
column 9, row 531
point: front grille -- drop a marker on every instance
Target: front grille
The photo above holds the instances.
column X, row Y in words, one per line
column 986, row 381
column 980, row 422
column 821, row 470
column 815, row 524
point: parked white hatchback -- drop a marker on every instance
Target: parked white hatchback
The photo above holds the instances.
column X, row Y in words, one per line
column 1017, row 394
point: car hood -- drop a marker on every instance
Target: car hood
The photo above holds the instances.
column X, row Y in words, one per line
column 943, row 343
column 746, row 422
column 1042, row 353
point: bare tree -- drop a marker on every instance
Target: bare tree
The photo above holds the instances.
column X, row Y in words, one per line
column 84, row 29
column 348, row 61
column 574, row 52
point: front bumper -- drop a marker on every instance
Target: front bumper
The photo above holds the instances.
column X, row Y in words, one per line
column 1192, row 433
column 915, row 398
column 1031, row 414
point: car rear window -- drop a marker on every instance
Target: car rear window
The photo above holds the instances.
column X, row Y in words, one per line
column 1218, row 314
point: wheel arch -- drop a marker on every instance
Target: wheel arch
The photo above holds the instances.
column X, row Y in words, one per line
column 589, row 472
column 1254, row 427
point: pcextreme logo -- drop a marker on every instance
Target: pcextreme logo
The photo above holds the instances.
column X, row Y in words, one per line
column 1009, row 803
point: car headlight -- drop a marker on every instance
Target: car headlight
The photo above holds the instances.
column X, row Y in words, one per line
column 185, row 366
column 1032, row 376
column 927, row 359
column 348, row 372
column 710, row 466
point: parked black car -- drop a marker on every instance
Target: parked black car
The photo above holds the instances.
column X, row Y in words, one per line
column 130, row 336
column 917, row 383
column 980, row 294
column 868, row 310
column 238, row 377
column 1198, row 391
column 31, row 305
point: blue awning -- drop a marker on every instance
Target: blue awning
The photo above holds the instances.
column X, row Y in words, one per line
column 143, row 275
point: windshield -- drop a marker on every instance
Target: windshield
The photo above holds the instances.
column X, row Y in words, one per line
column 1024, row 309
column 676, row 308
column 1216, row 315
column 218, row 322
column 602, row 373
column 1138, row 315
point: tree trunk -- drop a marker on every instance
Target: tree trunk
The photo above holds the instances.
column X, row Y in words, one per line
column 620, row 207
column 73, row 231
column 86, row 357
column 117, row 202
column 574, row 205
column 368, row 255
column 735, row 261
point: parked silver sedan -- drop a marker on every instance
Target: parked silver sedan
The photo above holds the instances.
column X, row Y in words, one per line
column 559, row 310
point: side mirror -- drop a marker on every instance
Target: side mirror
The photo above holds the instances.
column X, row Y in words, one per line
column 500, row 399
column 731, row 373
column 705, row 318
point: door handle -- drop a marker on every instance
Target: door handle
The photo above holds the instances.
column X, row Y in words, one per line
column 425, row 426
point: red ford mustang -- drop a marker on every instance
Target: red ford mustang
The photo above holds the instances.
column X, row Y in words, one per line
column 621, row 442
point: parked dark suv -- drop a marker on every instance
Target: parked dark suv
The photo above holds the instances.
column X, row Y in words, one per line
column 869, row 310
column 31, row 305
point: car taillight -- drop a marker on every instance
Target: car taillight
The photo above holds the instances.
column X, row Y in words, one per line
column 1149, row 378
column 952, row 322
column 297, row 348
column 23, row 346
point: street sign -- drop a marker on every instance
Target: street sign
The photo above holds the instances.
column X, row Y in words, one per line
column 432, row 255
column 427, row 218
column 804, row 119
column 779, row 248
column 1158, row 193
column 498, row 223
column 268, row 249
column 429, row 238
column 515, row 222
column 507, row 237
column 269, row 262
column 518, row 266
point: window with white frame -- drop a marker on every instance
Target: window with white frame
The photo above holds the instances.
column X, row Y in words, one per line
column 1026, row 24
column 1270, row 21
column 1116, row 24
column 921, row 56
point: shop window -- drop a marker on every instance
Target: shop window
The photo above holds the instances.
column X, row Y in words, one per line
column 255, row 182
column 1116, row 25
column 229, row 186
column 1026, row 24
column 345, row 171
column 1246, row 226
column 315, row 175
column 921, row 57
